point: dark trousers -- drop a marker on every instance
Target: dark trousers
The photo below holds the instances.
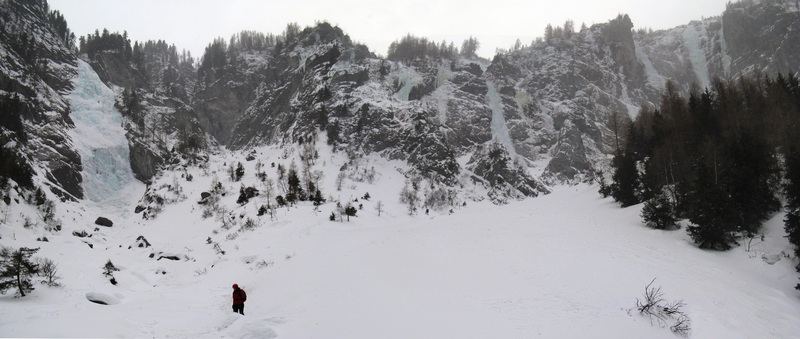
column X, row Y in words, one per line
column 238, row 308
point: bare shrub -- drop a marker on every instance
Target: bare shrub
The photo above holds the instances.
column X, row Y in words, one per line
column 249, row 225
column 264, row 264
column 655, row 307
column 49, row 270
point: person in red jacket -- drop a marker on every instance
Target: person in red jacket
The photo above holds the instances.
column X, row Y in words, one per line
column 239, row 298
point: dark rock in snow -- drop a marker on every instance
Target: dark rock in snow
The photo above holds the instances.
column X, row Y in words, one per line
column 103, row 221
column 204, row 198
column 169, row 257
column 142, row 242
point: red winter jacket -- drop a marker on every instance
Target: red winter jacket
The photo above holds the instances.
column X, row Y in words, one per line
column 239, row 296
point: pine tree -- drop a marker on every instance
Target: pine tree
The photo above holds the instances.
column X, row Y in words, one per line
column 548, row 33
column 710, row 212
column 626, row 179
column 750, row 181
column 295, row 191
column 792, row 191
column 350, row 211
column 318, row 199
column 17, row 270
column 469, row 47
column 659, row 213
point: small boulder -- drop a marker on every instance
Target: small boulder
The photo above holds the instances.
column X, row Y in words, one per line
column 142, row 242
column 103, row 221
column 169, row 257
column 204, row 198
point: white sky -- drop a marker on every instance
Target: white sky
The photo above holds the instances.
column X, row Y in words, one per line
column 192, row 25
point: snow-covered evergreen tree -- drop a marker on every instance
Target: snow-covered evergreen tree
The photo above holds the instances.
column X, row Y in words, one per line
column 17, row 270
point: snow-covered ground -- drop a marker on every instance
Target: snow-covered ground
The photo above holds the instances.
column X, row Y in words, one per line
column 565, row 265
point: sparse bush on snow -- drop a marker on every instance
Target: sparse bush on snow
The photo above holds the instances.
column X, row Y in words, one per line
column 659, row 311
column 154, row 199
column 408, row 196
column 249, row 225
column 108, row 271
column 49, row 270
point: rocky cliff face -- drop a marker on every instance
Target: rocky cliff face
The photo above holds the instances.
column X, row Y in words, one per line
column 35, row 75
column 556, row 96
column 154, row 95
column 749, row 37
column 549, row 103
column 547, row 106
column 759, row 38
column 504, row 175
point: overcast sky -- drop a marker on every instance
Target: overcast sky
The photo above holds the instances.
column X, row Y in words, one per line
column 193, row 24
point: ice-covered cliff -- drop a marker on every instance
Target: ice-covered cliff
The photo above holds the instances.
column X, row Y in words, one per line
column 98, row 136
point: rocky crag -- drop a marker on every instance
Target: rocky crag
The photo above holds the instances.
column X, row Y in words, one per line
column 548, row 106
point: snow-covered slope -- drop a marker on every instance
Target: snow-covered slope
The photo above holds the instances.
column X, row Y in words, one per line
column 566, row 265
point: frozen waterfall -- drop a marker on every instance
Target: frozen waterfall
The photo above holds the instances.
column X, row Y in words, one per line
column 98, row 136
column 697, row 55
column 499, row 128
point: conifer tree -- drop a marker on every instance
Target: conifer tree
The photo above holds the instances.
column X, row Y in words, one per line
column 659, row 213
column 626, row 179
column 295, row 191
column 792, row 191
column 17, row 270
column 710, row 212
column 469, row 47
column 750, row 180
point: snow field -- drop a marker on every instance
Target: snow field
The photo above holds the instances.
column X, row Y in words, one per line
column 565, row 265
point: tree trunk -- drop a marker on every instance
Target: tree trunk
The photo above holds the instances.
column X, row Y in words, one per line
column 19, row 279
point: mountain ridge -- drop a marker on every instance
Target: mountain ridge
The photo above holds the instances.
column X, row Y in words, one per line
column 550, row 103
